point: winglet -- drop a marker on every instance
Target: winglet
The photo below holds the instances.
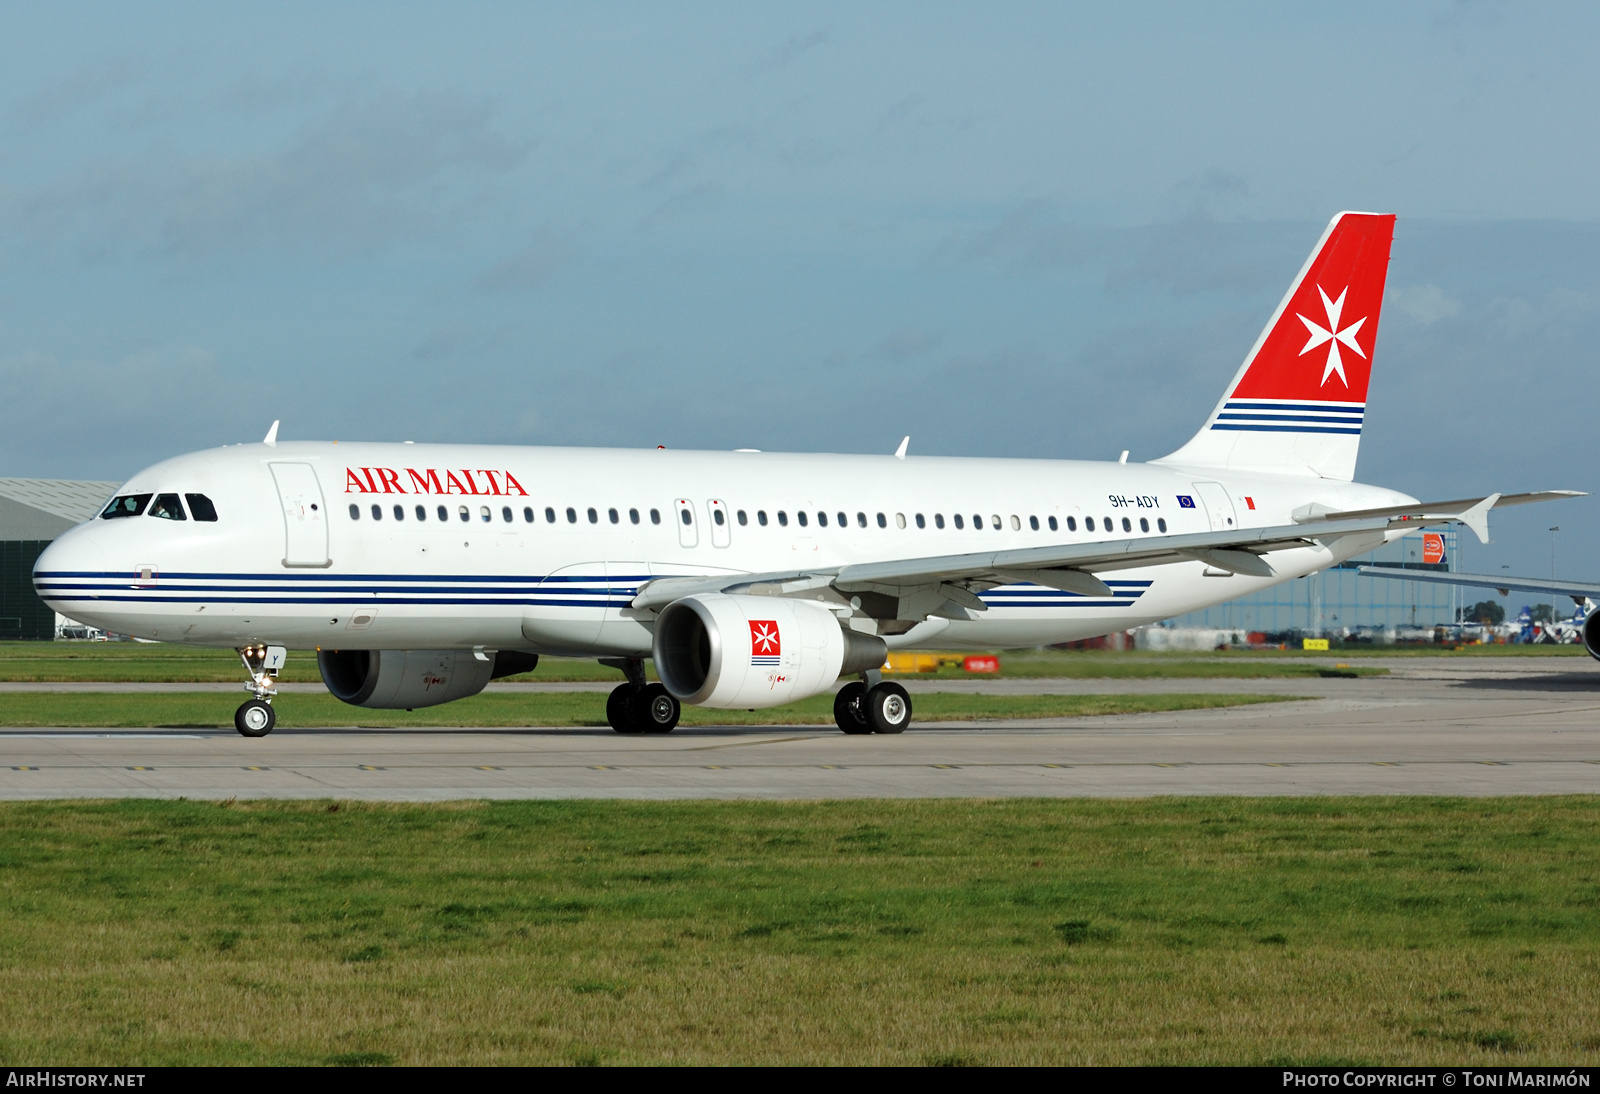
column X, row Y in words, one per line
column 1477, row 518
column 271, row 439
column 900, row 453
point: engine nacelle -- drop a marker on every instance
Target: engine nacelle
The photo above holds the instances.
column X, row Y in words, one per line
column 1591, row 634
column 747, row 652
column 407, row 679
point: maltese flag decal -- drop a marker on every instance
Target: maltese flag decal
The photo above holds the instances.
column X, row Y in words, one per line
column 1308, row 372
column 764, row 647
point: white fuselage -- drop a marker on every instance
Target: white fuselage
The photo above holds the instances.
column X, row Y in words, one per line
column 273, row 569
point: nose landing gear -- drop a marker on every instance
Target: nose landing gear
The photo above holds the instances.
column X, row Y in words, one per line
column 256, row 718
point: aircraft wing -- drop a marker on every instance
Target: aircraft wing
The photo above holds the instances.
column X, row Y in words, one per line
column 1504, row 583
column 946, row 584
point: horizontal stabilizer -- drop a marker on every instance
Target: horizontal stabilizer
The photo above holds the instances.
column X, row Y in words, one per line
column 1503, row 583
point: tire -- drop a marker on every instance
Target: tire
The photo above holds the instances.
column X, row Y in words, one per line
column 888, row 708
column 619, row 709
column 656, row 710
column 848, row 714
column 255, row 718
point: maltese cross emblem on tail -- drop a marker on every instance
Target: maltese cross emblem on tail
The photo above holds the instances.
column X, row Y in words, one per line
column 1332, row 335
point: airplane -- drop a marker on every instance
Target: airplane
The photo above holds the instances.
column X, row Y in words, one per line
column 1586, row 594
column 420, row 572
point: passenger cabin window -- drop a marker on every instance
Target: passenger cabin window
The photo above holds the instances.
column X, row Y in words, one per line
column 1054, row 527
column 594, row 518
column 994, row 519
column 1033, row 522
column 505, row 513
column 1161, row 523
column 716, row 515
column 761, row 517
column 167, row 507
column 783, row 519
column 743, row 520
column 822, row 520
column 882, row 521
column 920, row 522
column 549, row 515
column 844, row 520
column 461, row 511
column 422, row 512
column 129, row 505
column 1072, row 524
column 200, row 507
column 377, row 512
column 612, row 513
column 1127, row 525
column 1144, row 524
column 861, row 520
column 633, row 516
column 527, row 514
column 399, row 512
column 572, row 515
column 1016, row 524
column 1088, row 524
column 688, row 518
column 483, row 513
column 959, row 522
column 977, row 522
column 355, row 512
column 801, row 517
column 442, row 513
column 655, row 516
column 938, row 520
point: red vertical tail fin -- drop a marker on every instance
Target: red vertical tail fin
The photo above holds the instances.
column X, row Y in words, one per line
column 1296, row 404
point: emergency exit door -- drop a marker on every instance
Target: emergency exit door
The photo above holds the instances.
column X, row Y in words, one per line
column 305, row 518
column 1219, row 507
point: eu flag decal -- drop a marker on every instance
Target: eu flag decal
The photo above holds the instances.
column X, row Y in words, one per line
column 1185, row 501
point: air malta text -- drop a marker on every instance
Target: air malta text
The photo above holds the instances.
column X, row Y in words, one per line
column 386, row 480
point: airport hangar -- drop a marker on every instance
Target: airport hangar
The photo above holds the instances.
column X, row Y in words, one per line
column 33, row 512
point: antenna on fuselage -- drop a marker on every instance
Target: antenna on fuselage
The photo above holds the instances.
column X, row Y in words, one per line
column 900, row 453
column 271, row 439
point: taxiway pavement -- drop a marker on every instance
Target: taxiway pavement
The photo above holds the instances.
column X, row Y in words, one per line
column 1436, row 726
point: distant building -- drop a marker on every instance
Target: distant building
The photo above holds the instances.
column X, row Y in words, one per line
column 32, row 513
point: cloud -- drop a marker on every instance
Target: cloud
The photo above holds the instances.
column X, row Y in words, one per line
column 1424, row 305
column 545, row 255
column 88, row 83
column 365, row 173
column 906, row 343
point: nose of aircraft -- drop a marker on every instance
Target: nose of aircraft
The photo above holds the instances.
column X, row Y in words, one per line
column 72, row 560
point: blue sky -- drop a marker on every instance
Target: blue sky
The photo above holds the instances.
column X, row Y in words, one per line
column 1024, row 229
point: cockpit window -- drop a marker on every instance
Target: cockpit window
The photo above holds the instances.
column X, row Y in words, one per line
column 167, row 507
column 200, row 507
column 129, row 505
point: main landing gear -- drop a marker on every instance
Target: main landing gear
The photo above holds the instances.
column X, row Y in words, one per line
column 638, row 707
column 256, row 718
column 884, row 707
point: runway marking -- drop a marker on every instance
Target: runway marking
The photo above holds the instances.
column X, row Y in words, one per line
column 258, row 769
column 369, row 767
column 946, row 767
column 105, row 736
column 141, row 769
column 1053, row 765
column 1494, row 763
column 24, row 768
column 485, row 767
column 1386, row 763
column 600, row 767
column 747, row 744
column 1274, row 765
column 714, row 767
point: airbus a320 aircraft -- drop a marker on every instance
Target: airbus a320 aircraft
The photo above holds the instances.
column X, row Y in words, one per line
column 421, row 572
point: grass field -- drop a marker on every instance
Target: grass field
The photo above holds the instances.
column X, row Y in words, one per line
column 137, row 661
column 210, row 710
column 1022, row 931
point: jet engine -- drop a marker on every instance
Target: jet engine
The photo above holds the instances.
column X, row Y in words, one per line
column 407, row 679
column 747, row 652
column 1591, row 634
